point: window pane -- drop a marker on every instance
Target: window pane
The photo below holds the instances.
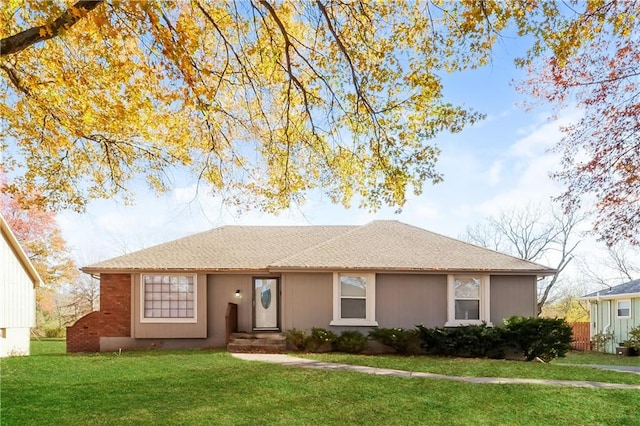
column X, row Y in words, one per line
column 467, row 309
column 353, row 286
column 467, row 288
column 624, row 308
column 163, row 294
column 353, row 308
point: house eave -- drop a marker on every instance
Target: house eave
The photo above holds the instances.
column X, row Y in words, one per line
column 138, row 270
column 610, row 296
column 383, row 270
column 281, row 269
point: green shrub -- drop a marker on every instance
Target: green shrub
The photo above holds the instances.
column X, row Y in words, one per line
column 352, row 342
column 634, row 339
column 600, row 341
column 476, row 341
column 401, row 340
column 544, row 338
column 320, row 340
column 297, row 338
column 55, row 332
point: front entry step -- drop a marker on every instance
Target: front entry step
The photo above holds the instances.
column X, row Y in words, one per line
column 264, row 343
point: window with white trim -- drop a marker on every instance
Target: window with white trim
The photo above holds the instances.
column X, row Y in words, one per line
column 354, row 299
column 623, row 308
column 168, row 298
column 468, row 300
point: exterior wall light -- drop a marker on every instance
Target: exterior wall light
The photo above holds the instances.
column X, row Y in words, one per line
column 238, row 295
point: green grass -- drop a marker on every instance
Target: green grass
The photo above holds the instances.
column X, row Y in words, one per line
column 481, row 367
column 48, row 347
column 210, row 387
column 576, row 357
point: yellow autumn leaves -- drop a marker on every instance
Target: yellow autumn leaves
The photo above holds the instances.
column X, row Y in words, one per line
column 263, row 101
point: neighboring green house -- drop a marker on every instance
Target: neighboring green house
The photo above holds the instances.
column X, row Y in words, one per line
column 615, row 312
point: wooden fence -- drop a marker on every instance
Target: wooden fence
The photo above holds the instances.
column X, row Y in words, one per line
column 581, row 338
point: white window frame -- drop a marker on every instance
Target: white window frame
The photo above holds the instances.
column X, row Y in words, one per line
column 485, row 303
column 618, row 309
column 144, row 319
column 370, row 295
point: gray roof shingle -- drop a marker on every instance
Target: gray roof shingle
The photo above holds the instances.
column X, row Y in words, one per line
column 380, row 245
column 631, row 287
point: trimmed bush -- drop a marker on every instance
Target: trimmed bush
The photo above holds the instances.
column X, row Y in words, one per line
column 471, row 341
column 320, row 340
column 544, row 338
column 402, row 341
column 297, row 338
column 351, row 342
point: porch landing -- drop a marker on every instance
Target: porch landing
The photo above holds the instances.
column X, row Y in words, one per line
column 263, row 343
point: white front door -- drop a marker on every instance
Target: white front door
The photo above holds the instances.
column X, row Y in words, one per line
column 265, row 303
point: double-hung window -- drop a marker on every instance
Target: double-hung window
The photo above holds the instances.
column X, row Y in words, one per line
column 168, row 298
column 468, row 299
column 354, row 299
column 623, row 308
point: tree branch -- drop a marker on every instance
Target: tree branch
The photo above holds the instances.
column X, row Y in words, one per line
column 13, row 77
column 31, row 36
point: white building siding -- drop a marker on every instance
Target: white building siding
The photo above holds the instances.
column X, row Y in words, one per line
column 17, row 296
column 14, row 341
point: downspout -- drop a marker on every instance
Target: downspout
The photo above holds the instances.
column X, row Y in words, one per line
column 608, row 326
column 594, row 315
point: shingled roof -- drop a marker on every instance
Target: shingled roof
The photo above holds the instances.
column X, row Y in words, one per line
column 379, row 245
column 631, row 288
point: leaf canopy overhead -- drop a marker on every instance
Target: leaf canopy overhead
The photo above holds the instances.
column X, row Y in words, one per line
column 263, row 101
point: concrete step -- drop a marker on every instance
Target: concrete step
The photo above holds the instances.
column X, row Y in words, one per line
column 258, row 336
column 267, row 349
column 257, row 343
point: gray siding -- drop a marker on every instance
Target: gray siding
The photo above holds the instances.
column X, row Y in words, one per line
column 307, row 300
column 512, row 295
column 402, row 300
column 407, row 300
column 222, row 290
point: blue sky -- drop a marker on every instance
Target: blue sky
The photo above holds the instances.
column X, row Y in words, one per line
column 501, row 162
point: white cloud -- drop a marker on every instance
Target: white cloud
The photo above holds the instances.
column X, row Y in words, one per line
column 493, row 177
column 540, row 138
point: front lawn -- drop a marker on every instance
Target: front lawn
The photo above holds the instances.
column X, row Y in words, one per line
column 577, row 357
column 481, row 367
column 210, row 387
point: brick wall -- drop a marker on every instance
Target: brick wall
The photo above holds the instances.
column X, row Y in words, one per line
column 112, row 320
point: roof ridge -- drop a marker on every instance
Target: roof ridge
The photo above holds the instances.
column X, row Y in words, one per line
column 313, row 247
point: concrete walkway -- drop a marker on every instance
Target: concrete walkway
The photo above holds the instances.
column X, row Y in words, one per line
column 292, row 361
column 618, row 368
